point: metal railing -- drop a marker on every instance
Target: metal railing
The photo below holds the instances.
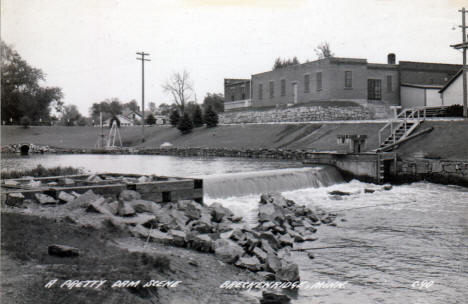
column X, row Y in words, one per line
column 414, row 115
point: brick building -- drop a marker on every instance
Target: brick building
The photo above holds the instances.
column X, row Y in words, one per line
column 236, row 93
column 336, row 79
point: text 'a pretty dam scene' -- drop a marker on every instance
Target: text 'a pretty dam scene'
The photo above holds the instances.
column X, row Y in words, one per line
column 202, row 151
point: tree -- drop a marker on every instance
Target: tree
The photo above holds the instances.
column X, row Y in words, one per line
column 323, row 51
column 166, row 109
column 216, row 101
column 132, row 105
column 70, row 115
column 181, row 88
column 109, row 108
column 174, row 118
column 197, row 117
column 280, row 63
column 211, row 117
column 25, row 121
column 185, row 125
column 21, row 91
column 150, row 119
column 152, row 107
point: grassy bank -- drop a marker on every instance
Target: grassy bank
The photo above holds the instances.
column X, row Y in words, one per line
column 41, row 171
column 26, row 266
column 448, row 140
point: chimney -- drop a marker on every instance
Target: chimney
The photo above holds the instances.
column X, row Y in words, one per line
column 391, row 58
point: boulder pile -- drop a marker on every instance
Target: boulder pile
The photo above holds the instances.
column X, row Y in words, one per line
column 263, row 248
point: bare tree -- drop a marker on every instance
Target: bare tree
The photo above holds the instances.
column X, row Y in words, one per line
column 323, row 51
column 181, row 88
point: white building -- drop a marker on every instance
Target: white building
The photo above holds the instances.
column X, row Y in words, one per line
column 452, row 92
column 420, row 95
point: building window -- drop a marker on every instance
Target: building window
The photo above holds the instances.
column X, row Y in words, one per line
column 319, row 81
column 243, row 96
column 306, row 83
column 260, row 91
column 374, row 89
column 348, row 79
column 389, row 84
column 272, row 89
column 232, row 97
column 283, row 87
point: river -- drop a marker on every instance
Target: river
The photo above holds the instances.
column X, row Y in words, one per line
column 384, row 245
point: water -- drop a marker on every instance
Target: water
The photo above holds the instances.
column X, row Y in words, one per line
column 389, row 239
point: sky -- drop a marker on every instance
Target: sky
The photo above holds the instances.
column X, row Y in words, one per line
column 88, row 47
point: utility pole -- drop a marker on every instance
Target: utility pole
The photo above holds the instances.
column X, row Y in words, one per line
column 464, row 46
column 143, row 59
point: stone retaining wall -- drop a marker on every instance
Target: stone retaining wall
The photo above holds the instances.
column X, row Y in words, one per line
column 433, row 170
column 297, row 114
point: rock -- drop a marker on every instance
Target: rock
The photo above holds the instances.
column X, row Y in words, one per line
column 261, row 255
column 143, row 179
column 218, row 212
column 94, row 178
column 229, row 253
column 223, row 227
column 144, row 206
column 369, row 190
column 273, row 263
column 98, row 206
column 63, row 251
column 251, row 263
column 193, row 262
column 310, row 255
column 125, row 209
column 270, row 212
column 267, row 247
column 65, row 197
column 138, row 219
column 270, row 237
column 338, row 192
column 192, row 211
column 179, row 218
column 151, row 234
column 387, row 187
column 34, row 184
column 113, row 207
column 52, row 184
column 267, row 225
column 237, row 235
column 266, row 275
column 274, row 298
column 15, row 199
column 10, row 182
column 129, row 195
column 236, row 219
column 83, row 200
column 275, row 199
column 68, row 181
column 45, row 199
column 178, row 237
column 336, row 197
column 221, row 243
column 200, row 242
column 286, row 240
column 289, row 272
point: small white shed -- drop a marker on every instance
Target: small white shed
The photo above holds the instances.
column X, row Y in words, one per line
column 452, row 92
column 420, row 95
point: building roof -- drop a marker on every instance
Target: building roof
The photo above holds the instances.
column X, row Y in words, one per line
column 451, row 80
column 428, row 66
column 422, row 86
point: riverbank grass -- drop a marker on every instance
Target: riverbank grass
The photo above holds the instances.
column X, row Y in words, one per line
column 41, row 171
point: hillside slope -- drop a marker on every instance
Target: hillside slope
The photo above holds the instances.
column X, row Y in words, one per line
column 448, row 140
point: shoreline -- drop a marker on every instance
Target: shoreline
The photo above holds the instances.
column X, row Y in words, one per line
column 407, row 170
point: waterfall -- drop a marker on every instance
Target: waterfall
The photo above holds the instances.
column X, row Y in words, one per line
column 245, row 183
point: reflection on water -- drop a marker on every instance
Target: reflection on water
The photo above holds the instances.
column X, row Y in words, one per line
column 144, row 164
column 392, row 238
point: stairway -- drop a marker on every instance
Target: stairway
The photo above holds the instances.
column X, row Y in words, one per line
column 400, row 128
column 400, row 132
